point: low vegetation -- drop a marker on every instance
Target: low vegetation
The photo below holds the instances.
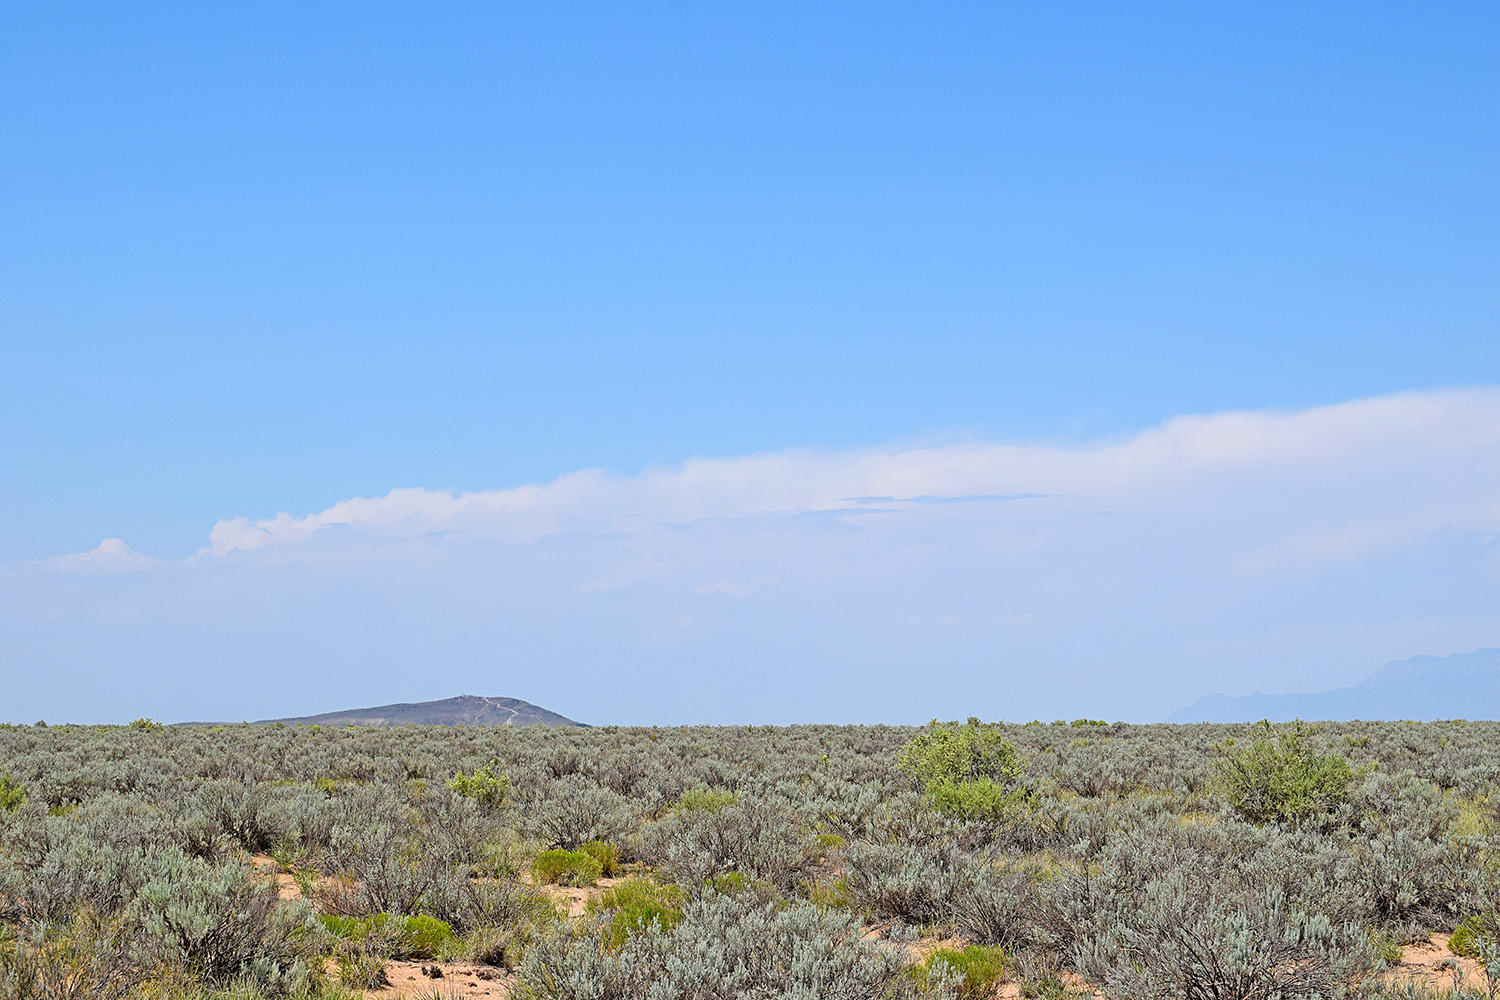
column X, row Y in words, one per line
column 566, row 867
column 637, row 905
column 1072, row 859
column 975, row 971
column 399, row 936
column 1281, row 775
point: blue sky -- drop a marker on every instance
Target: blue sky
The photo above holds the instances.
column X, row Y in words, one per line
column 264, row 261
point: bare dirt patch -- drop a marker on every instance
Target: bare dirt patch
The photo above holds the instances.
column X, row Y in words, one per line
column 922, row 947
column 574, row 901
column 468, row 980
column 325, row 888
column 286, row 886
column 1430, row 964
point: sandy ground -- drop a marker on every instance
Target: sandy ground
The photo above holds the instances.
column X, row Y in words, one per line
column 1431, row 965
column 1076, row 987
column 286, row 886
column 574, row 902
column 458, row 979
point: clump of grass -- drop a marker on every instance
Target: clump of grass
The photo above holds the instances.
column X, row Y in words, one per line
column 486, row 945
column 1046, row 986
column 605, row 853
column 1470, row 936
column 1387, row 948
column 978, row 968
column 1476, row 816
column 392, row 934
column 729, row 883
column 359, row 967
column 636, row 904
column 575, row 868
column 834, row 895
column 706, row 800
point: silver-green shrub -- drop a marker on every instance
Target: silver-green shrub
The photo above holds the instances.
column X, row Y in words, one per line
column 729, row 947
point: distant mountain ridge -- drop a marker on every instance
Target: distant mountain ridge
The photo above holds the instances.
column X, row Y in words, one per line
column 465, row 710
column 1462, row 686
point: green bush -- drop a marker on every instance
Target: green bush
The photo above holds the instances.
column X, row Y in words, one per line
column 636, row 904
column 1470, row 934
column 706, row 800
column 345, row 928
column 566, row 867
column 1281, row 776
column 147, row 725
column 966, row 770
column 981, row 799
column 487, row 784
column 950, row 752
column 982, row 967
column 607, row 854
column 11, row 794
column 398, row 936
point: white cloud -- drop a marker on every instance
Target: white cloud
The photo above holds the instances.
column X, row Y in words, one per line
column 111, row 556
column 1387, row 463
column 1110, row 578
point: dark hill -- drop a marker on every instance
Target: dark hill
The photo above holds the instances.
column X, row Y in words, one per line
column 465, row 710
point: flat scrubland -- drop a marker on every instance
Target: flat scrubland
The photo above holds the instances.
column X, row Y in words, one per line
column 961, row 859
